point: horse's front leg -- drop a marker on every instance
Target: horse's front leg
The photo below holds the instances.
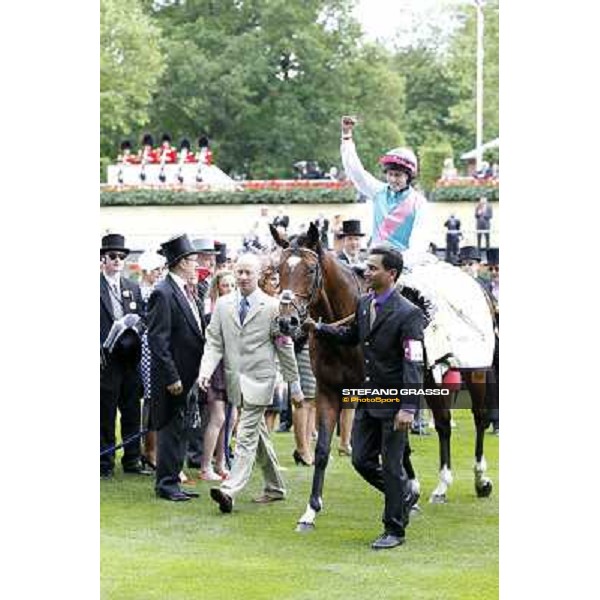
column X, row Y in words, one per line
column 476, row 384
column 440, row 408
column 328, row 408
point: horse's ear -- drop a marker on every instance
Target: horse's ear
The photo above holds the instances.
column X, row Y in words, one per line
column 313, row 238
column 279, row 240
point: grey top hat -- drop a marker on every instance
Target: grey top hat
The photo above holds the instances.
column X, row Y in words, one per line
column 113, row 242
column 205, row 245
column 176, row 248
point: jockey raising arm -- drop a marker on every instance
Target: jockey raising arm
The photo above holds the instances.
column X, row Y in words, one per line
column 400, row 213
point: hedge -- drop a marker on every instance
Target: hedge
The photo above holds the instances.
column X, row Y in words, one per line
column 461, row 193
column 137, row 197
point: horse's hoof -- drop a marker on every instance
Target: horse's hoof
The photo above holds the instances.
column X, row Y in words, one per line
column 304, row 527
column 484, row 489
column 438, row 499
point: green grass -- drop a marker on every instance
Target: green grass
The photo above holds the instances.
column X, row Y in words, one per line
column 154, row 549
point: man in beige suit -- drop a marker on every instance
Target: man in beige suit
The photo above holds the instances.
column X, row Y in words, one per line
column 243, row 332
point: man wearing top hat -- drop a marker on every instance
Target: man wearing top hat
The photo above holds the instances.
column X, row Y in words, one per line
column 351, row 239
column 470, row 262
column 120, row 381
column 176, row 340
column 221, row 258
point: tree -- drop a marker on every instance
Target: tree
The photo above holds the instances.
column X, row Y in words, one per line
column 131, row 64
column 268, row 81
column 430, row 94
column 462, row 67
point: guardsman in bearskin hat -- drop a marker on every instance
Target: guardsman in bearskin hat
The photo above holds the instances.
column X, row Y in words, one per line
column 120, row 349
column 186, row 156
column 176, row 339
column 167, row 156
column 148, row 154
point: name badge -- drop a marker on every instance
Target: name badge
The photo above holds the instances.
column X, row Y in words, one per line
column 413, row 350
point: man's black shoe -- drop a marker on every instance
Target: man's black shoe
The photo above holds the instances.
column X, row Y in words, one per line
column 137, row 469
column 224, row 501
column 387, row 540
column 191, row 493
column 106, row 474
column 178, row 496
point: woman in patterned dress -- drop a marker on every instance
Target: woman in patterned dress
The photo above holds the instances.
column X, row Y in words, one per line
column 152, row 266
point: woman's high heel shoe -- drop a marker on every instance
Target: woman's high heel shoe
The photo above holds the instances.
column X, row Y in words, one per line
column 299, row 460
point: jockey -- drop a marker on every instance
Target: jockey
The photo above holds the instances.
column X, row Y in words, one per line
column 455, row 337
column 400, row 212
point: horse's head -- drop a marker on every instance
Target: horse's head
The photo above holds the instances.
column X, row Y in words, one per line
column 300, row 275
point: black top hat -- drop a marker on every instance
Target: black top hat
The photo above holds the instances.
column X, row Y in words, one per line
column 469, row 253
column 185, row 143
column 205, row 245
column 221, row 248
column 113, row 242
column 165, row 138
column 147, row 140
column 493, row 256
column 203, row 141
column 351, row 227
column 176, row 248
column 125, row 145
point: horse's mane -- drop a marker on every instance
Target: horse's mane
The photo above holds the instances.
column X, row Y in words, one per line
column 414, row 296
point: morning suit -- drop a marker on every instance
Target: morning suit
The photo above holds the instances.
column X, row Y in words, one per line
column 249, row 351
column 120, row 380
column 176, row 341
column 392, row 349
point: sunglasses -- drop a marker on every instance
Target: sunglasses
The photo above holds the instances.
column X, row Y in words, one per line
column 115, row 255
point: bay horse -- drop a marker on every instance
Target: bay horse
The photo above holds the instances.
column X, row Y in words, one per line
column 328, row 290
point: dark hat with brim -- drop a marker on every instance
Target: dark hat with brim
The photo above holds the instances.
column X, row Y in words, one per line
column 493, row 256
column 205, row 246
column 113, row 242
column 469, row 253
column 351, row 227
column 176, row 248
column 221, row 248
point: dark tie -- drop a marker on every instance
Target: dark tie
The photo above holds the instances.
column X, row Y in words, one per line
column 244, row 306
column 193, row 304
column 374, row 310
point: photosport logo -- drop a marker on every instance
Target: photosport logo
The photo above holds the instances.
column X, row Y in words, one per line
column 387, row 396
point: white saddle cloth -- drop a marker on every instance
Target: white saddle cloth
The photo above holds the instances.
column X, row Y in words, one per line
column 461, row 324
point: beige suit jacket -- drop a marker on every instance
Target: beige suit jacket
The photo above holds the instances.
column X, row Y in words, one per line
column 248, row 351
